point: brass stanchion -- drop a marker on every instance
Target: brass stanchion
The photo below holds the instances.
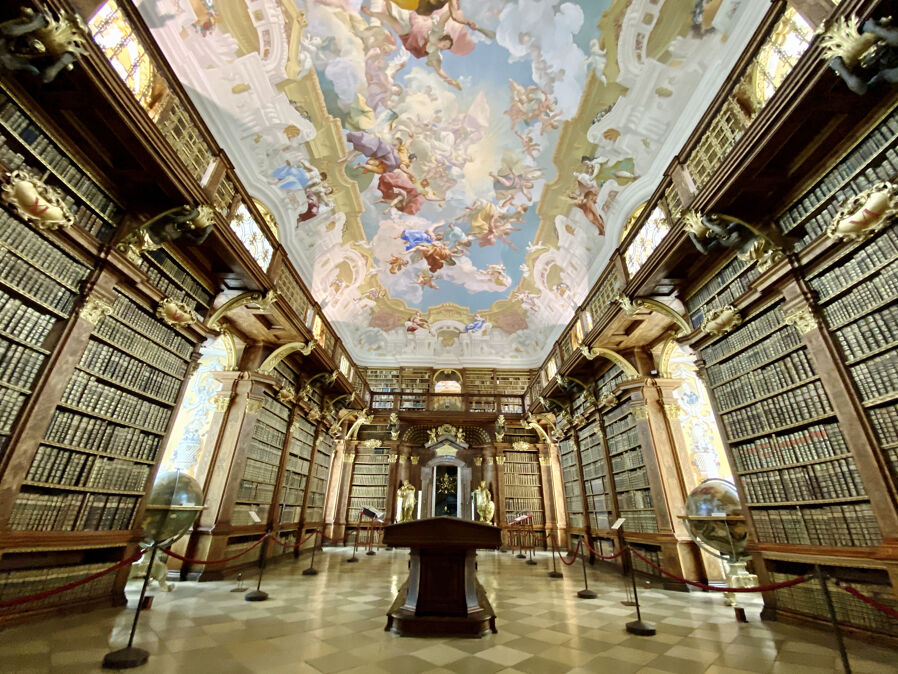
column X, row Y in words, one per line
column 585, row 593
column 311, row 571
column 355, row 547
column 258, row 594
column 554, row 573
column 128, row 657
column 637, row 627
column 846, row 665
column 531, row 544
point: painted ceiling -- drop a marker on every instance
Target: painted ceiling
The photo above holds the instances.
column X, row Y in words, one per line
column 450, row 176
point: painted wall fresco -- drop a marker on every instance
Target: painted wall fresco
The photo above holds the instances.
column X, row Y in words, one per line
column 443, row 171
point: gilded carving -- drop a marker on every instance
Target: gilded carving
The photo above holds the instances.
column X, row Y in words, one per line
column 415, row 460
column 861, row 216
column 34, row 201
column 613, row 356
column 175, row 313
column 720, row 321
column 254, row 406
column 95, row 309
column 193, row 223
column 221, row 402
column 861, row 54
column 262, row 300
column 544, row 461
column 287, row 394
column 373, row 443
column 672, row 411
column 276, row 356
column 803, row 319
column 521, row 446
column 478, row 460
column 639, row 412
column 40, row 43
column 348, row 458
column 500, row 460
column 608, row 400
column 393, row 458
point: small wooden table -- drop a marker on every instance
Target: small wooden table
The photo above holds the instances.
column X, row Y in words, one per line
column 442, row 595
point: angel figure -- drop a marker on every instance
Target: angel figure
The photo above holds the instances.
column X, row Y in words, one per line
column 496, row 273
column 426, row 280
column 417, row 322
column 401, row 193
column 585, row 199
column 476, row 325
column 511, row 183
column 428, row 7
column 436, row 255
column 397, row 263
column 406, row 499
column 530, row 147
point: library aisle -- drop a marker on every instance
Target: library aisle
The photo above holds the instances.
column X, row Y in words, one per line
column 333, row 622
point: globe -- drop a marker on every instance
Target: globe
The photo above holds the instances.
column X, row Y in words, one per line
column 716, row 500
column 174, row 504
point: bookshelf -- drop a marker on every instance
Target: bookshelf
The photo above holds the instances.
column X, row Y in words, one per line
column 570, row 475
column 523, row 489
column 414, row 383
column 370, row 481
column 629, row 474
column 597, row 490
column 296, row 471
column 324, row 449
column 256, row 493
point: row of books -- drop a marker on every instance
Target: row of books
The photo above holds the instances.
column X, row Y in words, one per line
column 876, row 377
column 260, row 452
column 636, row 478
column 90, row 395
column 26, row 324
column 72, row 511
column 745, row 335
column 524, row 504
column 794, row 368
column 78, row 430
column 260, row 472
column 808, row 598
column 376, row 460
column 816, row 442
column 303, row 428
column 314, row 513
column 370, row 480
column 523, row 491
column 620, row 412
column 360, row 491
column 255, row 492
column 10, row 403
column 620, row 425
column 44, row 149
column 623, row 441
column 732, row 292
column 859, row 157
column 293, row 479
column 861, row 300
column 574, row 517
column 641, row 522
column 522, row 480
column 25, row 279
column 247, row 515
column 592, row 452
column 778, row 344
column 521, row 468
column 40, row 253
column 180, row 275
column 885, row 423
column 594, row 469
column 521, row 457
column 59, row 466
column 167, row 286
column 630, row 459
column 290, row 512
column 820, row 481
column 371, row 469
column 569, row 473
column 299, row 447
column 108, row 362
column 272, row 438
column 597, row 485
column 19, row 364
column 608, row 381
column 15, row 583
column 789, row 408
column 599, row 503
column 136, row 317
column 876, row 254
column 297, row 464
column 870, row 333
column 730, row 270
column 638, row 498
column 275, row 414
column 849, row 525
column 145, row 350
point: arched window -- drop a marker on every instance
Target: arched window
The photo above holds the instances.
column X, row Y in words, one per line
column 788, row 41
column 251, row 235
column 446, row 381
column 652, row 232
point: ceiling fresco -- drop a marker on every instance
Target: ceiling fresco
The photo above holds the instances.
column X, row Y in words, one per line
column 449, row 176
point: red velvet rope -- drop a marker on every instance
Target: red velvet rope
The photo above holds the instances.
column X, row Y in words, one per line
column 711, row 588
column 68, row 586
column 189, row 560
column 285, row 544
column 605, row 557
column 579, row 543
column 882, row 608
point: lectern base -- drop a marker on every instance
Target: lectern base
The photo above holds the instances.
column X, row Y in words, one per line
column 404, row 622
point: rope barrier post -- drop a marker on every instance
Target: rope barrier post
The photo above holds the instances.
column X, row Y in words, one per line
column 258, row 594
column 585, row 593
column 531, row 545
column 372, row 532
column 821, row 577
column 311, row 571
column 637, row 627
column 554, row 573
column 355, row 547
column 129, row 657
column 519, row 531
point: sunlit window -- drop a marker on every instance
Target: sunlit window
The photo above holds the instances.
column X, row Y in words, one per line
column 551, row 368
column 344, row 365
column 126, row 54
column 788, row 41
column 586, row 319
column 576, row 335
column 318, row 329
column 647, row 239
column 252, row 236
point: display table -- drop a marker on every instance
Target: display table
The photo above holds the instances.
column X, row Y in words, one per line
column 442, row 595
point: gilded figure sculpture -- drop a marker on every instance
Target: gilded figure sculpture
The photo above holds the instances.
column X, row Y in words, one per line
column 483, row 503
column 405, row 495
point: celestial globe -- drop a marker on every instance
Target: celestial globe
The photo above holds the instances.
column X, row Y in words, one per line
column 707, row 508
column 174, row 504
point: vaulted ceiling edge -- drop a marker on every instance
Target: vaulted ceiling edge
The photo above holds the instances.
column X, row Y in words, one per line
column 447, row 175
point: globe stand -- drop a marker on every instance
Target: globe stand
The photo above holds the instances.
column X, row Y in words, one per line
column 371, row 551
column 130, row 657
column 258, row 594
column 530, row 546
column 355, row 547
column 311, row 571
column 637, row 627
column 554, row 573
column 585, row 593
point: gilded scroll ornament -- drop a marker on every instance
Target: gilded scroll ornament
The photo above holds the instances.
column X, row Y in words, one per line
column 708, row 231
column 608, row 400
column 39, row 43
column 287, row 394
column 95, row 309
column 34, row 201
column 221, row 402
column 672, row 411
column 639, row 412
column 500, row 460
column 415, row 460
column 254, row 406
column 720, row 321
column 373, row 443
column 500, row 427
column 521, row 446
column 803, row 319
column 863, row 55
column 175, row 313
column 861, row 216
column 478, row 460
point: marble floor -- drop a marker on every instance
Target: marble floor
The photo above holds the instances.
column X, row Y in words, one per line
column 333, row 622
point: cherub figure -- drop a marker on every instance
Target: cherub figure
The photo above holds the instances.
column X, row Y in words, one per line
column 416, row 322
column 585, row 199
column 426, row 280
column 397, row 263
column 530, row 147
column 511, row 183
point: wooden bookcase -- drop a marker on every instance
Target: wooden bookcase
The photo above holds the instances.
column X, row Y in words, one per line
column 370, row 481
column 572, row 484
column 318, row 480
column 523, row 484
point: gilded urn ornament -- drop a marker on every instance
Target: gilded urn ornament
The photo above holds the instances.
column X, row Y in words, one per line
column 861, row 216
column 175, row 313
column 721, row 320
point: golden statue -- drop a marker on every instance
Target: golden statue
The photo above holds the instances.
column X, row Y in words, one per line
column 483, row 504
column 405, row 495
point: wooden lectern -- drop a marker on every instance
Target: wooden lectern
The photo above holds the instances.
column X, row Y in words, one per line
column 442, row 595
